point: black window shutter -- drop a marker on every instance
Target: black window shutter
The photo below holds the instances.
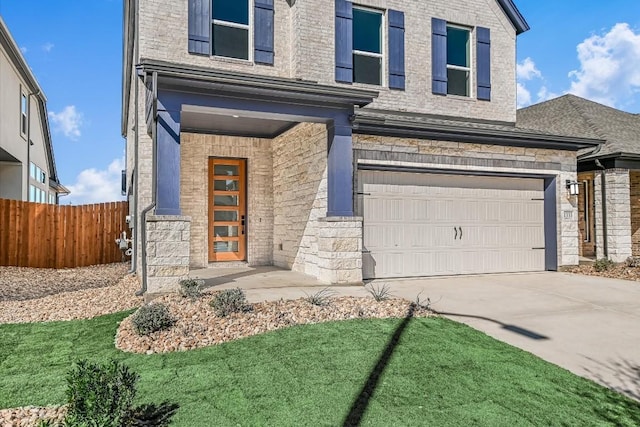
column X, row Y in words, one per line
column 200, row 27
column 263, row 32
column 439, row 56
column 344, row 41
column 396, row 50
column 484, row 63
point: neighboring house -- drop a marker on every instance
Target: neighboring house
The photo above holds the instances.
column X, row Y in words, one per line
column 609, row 176
column 27, row 170
column 347, row 141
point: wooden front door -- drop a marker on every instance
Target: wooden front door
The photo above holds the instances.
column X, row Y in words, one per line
column 586, row 215
column 227, row 210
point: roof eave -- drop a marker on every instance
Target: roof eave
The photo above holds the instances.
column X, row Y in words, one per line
column 515, row 16
column 452, row 132
column 249, row 82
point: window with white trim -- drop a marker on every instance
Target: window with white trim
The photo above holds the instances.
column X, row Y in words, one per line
column 368, row 56
column 230, row 28
column 24, row 111
column 458, row 60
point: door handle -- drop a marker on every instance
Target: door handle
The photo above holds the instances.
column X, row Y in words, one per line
column 460, row 232
column 456, row 231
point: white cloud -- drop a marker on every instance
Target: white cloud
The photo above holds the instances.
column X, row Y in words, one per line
column 48, row 47
column 609, row 71
column 97, row 186
column 526, row 70
column 545, row 95
column 68, row 121
column 524, row 96
column 23, row 49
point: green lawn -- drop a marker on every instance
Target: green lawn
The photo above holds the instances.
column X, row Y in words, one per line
column 440, row 374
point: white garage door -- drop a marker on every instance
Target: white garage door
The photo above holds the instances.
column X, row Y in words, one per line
column 418, row 224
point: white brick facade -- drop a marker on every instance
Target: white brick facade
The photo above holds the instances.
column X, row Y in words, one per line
column 618, row 215
column 304, row 49
column 167, row 252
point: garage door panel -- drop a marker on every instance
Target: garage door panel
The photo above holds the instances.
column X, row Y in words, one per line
column 412, row 223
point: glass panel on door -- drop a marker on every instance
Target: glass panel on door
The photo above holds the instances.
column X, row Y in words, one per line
column 227, row 210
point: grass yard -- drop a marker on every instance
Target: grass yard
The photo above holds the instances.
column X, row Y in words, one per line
column 440, row 373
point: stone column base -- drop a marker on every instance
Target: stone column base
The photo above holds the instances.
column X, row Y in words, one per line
column 168, row 239
column 340, row 250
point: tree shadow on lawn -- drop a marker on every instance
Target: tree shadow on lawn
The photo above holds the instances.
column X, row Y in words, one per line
column 360, row 404
column 626, row 374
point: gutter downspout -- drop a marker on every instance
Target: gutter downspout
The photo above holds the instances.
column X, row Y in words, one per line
column 136, row 138
column 34, row 94
column 603, row 183
column 154, row 177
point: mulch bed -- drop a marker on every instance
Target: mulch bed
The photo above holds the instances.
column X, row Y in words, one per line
column 617, row 271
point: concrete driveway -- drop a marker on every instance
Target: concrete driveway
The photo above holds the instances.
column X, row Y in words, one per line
column 588, row 325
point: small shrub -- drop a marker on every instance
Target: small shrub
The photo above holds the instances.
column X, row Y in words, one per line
column 603, row 264
column 633, row 262
column 151, row 318
column 378, row 292
column 100, row 395
column 229, row 301
column 320, row 298
column 426, row 304
column 191, row 288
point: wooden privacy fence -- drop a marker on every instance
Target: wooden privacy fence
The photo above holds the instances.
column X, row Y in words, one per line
column 49, row 236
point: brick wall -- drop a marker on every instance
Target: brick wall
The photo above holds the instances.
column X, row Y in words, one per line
column 300, row 196
column 195, row 150
column 167, row 252
column 618, row 214
column 304, row 49
column 454, row 156
column 634, row 193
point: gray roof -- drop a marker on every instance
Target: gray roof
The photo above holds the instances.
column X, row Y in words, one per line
column 466, row 130
column 574, row 116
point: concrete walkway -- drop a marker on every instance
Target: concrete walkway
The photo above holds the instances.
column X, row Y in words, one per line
column 588, row 325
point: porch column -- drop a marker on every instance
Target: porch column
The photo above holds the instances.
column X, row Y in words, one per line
column 340, row 169
column 167, row 161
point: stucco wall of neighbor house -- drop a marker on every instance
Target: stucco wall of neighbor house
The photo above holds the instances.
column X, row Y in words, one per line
column 164, row 36
column 445, row 155
column 195, row 151
column 634, row 193
column 305, row 49
column 300, row 196
column 10, row 181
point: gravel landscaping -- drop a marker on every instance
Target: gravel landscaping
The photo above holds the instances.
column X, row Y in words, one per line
column 196, row 324
column 30, row 416
column 43, row 295
column 617, row 271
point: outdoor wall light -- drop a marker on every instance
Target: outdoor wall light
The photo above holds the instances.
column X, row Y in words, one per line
column 573, row 187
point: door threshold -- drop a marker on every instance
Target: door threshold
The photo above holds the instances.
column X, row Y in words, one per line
column 228, row 264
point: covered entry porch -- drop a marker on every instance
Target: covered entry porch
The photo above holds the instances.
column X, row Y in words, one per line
column 249, row 169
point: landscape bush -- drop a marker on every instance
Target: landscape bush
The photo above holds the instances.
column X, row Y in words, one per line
column 603, row 264
column 229, row 301
column 151, row 318
column 191, row 288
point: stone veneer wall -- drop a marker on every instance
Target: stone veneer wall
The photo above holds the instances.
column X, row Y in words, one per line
column 340, row 250
column 195, row 151
column 454, row 156
column 300, row 196
column 167, row 252
column 634, row 193
column 618, row 199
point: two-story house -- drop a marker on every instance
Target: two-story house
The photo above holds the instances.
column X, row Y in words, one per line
column 345, row 140
column 27, row 165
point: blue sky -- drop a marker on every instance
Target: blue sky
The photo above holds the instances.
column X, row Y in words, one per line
column 587, row 47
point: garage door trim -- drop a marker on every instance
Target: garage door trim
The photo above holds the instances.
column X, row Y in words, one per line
column 550, row 187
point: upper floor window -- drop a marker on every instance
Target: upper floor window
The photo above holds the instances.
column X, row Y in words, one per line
column 367, row 46
column 23, row 114
column 230, row 28
column 458, row 61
